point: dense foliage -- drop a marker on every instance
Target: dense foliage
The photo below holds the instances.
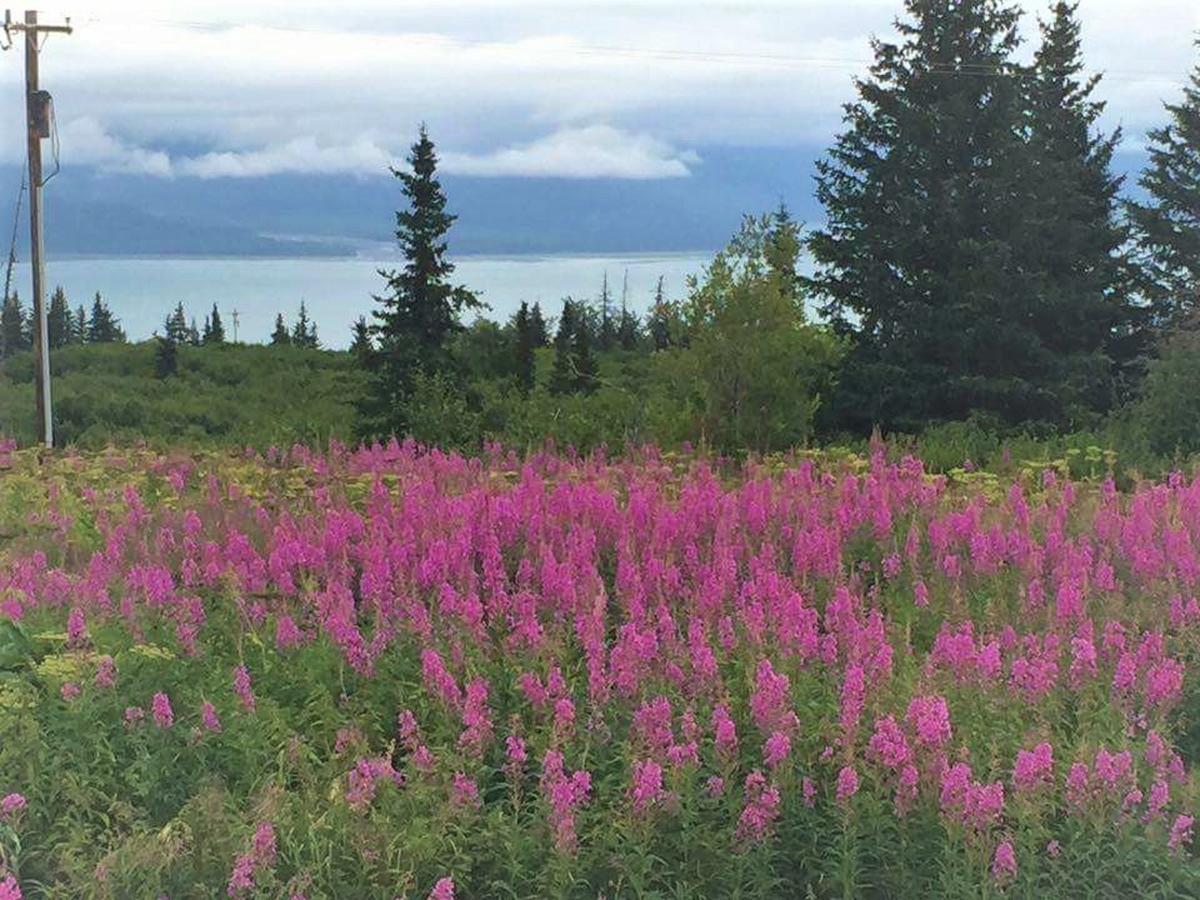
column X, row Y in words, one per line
column 397, row 673
column 226, row 394
column 971, row 248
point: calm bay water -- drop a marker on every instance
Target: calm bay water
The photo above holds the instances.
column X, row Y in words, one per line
column 141, row 291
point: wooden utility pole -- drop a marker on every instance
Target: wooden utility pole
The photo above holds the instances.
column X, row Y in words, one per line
column 38, row 114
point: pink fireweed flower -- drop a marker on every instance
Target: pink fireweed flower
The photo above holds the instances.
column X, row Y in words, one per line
column 242, row 687
column 1034, row 768
column 160, row 706
column 888, row 746
column 929, row 718
column 769, row 703
column 209, row 718
column 133, row 715
column 715, row 785
column 287, row 635
column 9, row 889
column 647, row 787
column 106, row 673
column 1160, row 796
column 246, row 867
column 476, row 717
column 1078, row 786
column 70, row 691
column 724, row 732
column 776, row 749
column 1053, row 849
column 907, row 788
column 76, row 628
column 10, row 805
column 1181, row 832
column 264, row 844
column 1004, row 863
column 854, row 691
column 808, row 791
column 760, row 810
column 514, row 751
column 464, row 791
column 564, row 715
column 563, row 794
column 847, row 784
column 363, row 781
column 443, row 890
column 920, row 594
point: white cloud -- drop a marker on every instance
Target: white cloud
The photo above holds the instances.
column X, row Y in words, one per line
column 596, row 151
column 84, row 140
column 277, row 85
column 302, row 155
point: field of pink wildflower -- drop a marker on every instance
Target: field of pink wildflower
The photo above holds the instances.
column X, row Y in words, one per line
column 397, row 673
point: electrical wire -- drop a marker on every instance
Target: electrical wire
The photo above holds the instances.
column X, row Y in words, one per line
column 12, row 249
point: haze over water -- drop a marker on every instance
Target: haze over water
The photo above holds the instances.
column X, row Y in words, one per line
column 142, row 291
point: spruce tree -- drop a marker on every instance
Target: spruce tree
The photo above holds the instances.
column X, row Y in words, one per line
column 628, row 328
column 13, row 334
column 166, row 356
column 304, row 332
column 280, row 337
column 606, row 336
column 537, row 323
column 58, row 319
column 562, row 376
column 1074, row 243
column 585, row 362
column 419, row 311
column 1167, row 225
column 920, row 260
column 524, row 347
column 193, row 334
column 214, row 329
column 79, row 326
column 103, row 327
column 175, row 328
column 659, row 325
column 361, row 346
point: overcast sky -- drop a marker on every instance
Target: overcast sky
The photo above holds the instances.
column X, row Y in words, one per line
column 222, row 89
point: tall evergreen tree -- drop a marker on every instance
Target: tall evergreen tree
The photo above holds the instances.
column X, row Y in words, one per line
column 782, row 250
column 13, row 334
column 280, row 337
column 523, row 325
column 563, row 375
column 537, row 324
column 361, row 345
column 419, row 312
column 166, row 356
column 79, row 325
column 214, row 328
column 1167, row 225
column 629, row 329
column 586, row 369
column 304, row 332
column 193, row 333
column 660, row 318
column 920, row 260
column 1074, row 244
column 606, row 331
column 103, row 327
column 58, row 319
column 175, row 328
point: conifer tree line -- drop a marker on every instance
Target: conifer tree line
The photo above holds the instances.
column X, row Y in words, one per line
column 979, row 257
column 65, row 326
